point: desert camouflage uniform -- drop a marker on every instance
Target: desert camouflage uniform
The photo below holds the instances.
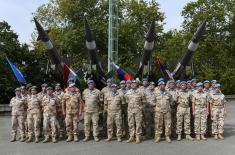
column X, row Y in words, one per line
column 209, row 121
column 218, row 103
column 163, row 101
column 92, row 100
column 149, row 112
column 135, row 100
column 72, row 101
column 25, row 96
column 60, row 118
column 105, row 91
column 124, row 113
column 34, row 115
column 173, row 93
column 200, row 99
column 114, row 101
column 183, row 112
column 49, row 103
column 18, row 105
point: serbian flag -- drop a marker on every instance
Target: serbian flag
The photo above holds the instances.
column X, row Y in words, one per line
column 68, row 74
column 123, row 75
column 164, row 69
column 19, row 76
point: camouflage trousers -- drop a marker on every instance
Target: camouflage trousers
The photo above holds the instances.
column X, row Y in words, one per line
column 124, row 120
column 161, row 119
column 60, row 123
column 200, row 120
column 25, row 124
column 135, row 123
column 148, row 121
column 17, row 121
column 34, row 123
column 173, row 120
column 49, row 124
column 71, row 121
column 114, row 117
column 183, row 118
column 88, row 118
column 217, row 120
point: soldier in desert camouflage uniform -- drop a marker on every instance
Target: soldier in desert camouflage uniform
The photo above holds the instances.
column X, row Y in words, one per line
column 34, row 115
column 200, row 111
column 135, row 100
column 49, row 103
column 218, row 112
column 183, row 112
column 93, row 98
column 18, row 105
column 72, row 106
column 163, row 101
column 114, row 100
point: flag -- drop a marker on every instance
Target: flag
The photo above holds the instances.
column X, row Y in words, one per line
column 123, row 75
column 16, row 71
column 68, row 74
column 164, row 69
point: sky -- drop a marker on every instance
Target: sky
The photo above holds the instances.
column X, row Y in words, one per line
column 18, row 13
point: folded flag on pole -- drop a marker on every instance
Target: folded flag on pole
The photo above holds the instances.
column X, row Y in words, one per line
column 164, row 69
column 16, row 71
column 123, row 75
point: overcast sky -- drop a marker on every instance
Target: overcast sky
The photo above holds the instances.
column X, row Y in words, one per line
column 18, row 13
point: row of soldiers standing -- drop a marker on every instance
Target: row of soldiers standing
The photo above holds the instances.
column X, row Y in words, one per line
column 128, row 107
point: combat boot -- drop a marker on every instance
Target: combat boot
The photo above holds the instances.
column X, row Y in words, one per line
column 203, row 137
column 22, row 138
column 119, row 139
column 131, row 139
column 137, row 141
column 36, row 139
column 29, row 139
column 96, row 139
column 198, row 137
column 61, row 136
column 179, row 138
column 157, row 139
column 215, row 136
column 75, row 138
column 220, row 136
column 168, row 139
column 54, row 139
column 13, row 139
column 108, row 139
column 85, row 139
column 69, row 139
column 188, row 137
column 46, row 139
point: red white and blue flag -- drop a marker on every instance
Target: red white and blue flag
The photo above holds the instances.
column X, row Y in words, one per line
column 123, row 75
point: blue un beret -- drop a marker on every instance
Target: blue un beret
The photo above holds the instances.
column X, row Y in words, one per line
column 44, row 85
column 199, row 84
column 217, row 85
column 152, row 83
column 17, row 89
column 161, row 83
column 90, row 81
column 123, row 82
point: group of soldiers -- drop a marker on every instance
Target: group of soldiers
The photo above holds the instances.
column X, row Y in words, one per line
column 131, row 109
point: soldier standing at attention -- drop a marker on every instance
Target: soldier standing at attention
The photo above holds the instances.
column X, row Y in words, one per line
column 93, row 99
column 172, row 90
column 114, row 101
column 149, row 112
column 183, row 112
column 18, row 105
column 72, row 106
column 200, row 107
column 123, row 91
column 206, row 89
column 25, row 95
column 105, row 91
column 60, row 117
column 218, row 112
column 34, row 115
column 44, row 90
column 213, row 83
column 163, row 101
column 135, row 100
column 49, row 103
